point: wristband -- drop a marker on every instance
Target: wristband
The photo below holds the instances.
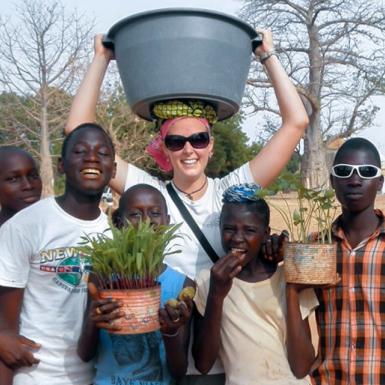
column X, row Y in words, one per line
column 265, row 55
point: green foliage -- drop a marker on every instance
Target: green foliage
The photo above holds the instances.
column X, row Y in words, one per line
column 132, row 258
column 43, row 51
column 19, row 128
column 129, row 133
column 313, row 205
column 289, row 178
column 231, row 150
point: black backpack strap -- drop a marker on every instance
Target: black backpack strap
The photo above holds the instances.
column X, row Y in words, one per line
column 190, row 221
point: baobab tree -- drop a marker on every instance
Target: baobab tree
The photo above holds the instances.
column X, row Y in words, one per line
column 334, row 52
column 42, row 54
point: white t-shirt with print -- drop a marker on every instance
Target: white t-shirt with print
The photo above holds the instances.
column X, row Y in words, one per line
column 37, row 253
column 205, row 212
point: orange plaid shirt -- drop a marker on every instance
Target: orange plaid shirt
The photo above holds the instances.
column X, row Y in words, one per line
column 351, row 315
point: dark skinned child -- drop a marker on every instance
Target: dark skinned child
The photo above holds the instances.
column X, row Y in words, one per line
column 242, row 300
column 20, row 183
column 351, row 314
column 142, row 358
column 43, row 289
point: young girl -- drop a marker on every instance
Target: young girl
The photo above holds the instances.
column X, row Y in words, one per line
column 20, row 183
column 242, row 300
column 150, row 358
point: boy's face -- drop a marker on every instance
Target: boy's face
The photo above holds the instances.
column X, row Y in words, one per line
column 355, row 193
column 242, row 229
column 144, row 205
column 20, row 183
column 89, row 162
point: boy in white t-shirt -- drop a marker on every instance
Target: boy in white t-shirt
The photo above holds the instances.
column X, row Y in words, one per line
column 43, row 289
column 242, row 300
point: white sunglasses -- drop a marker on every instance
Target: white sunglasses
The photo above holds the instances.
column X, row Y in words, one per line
column 364, row 171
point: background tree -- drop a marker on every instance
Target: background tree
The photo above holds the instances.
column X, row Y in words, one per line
column 231, row 148
column 129, row 133
column 334, row 52
column 42, row 55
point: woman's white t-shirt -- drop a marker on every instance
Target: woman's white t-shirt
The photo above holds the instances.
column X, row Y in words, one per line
column 205, row 212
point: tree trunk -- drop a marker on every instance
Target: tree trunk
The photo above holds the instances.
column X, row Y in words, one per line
column 46, row 170
column 313, row 167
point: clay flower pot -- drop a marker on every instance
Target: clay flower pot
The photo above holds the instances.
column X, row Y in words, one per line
column 140, row 306
column 314, row 264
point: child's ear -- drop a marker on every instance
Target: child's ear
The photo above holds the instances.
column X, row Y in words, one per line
column 60, row 166
column 331, row 181
column 381, row 183
column 116, row 219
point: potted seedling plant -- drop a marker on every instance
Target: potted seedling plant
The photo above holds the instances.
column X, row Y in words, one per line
column 125, row 267
column 309, row 258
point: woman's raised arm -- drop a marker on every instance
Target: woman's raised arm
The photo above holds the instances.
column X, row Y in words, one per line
column 269, row 162
column 83, row 107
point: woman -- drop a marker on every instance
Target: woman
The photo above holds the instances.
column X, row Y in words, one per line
column 188, row 160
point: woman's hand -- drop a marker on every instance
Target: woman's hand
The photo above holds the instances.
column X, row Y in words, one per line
column 223, row 272
column 171, row 319
column 103, row 312
column 267, row 42
column 101, row 50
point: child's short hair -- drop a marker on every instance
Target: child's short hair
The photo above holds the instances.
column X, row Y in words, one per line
column 247, row 193
column 358, row 144
column 83, row 127
column 117, row 215
column 4, row 150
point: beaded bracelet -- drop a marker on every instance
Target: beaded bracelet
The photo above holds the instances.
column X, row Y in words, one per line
column 264, row 56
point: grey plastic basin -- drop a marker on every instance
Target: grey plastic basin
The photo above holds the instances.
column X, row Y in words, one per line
column 182, row 53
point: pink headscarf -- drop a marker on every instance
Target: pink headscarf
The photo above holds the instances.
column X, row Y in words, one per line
column 155, row 148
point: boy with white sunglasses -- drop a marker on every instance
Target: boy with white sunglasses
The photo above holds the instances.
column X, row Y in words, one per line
column 351, row 315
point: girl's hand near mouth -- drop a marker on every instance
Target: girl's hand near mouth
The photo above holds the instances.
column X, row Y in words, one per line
column 223, row 272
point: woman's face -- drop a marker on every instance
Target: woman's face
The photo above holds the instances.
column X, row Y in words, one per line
column 189, row 162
